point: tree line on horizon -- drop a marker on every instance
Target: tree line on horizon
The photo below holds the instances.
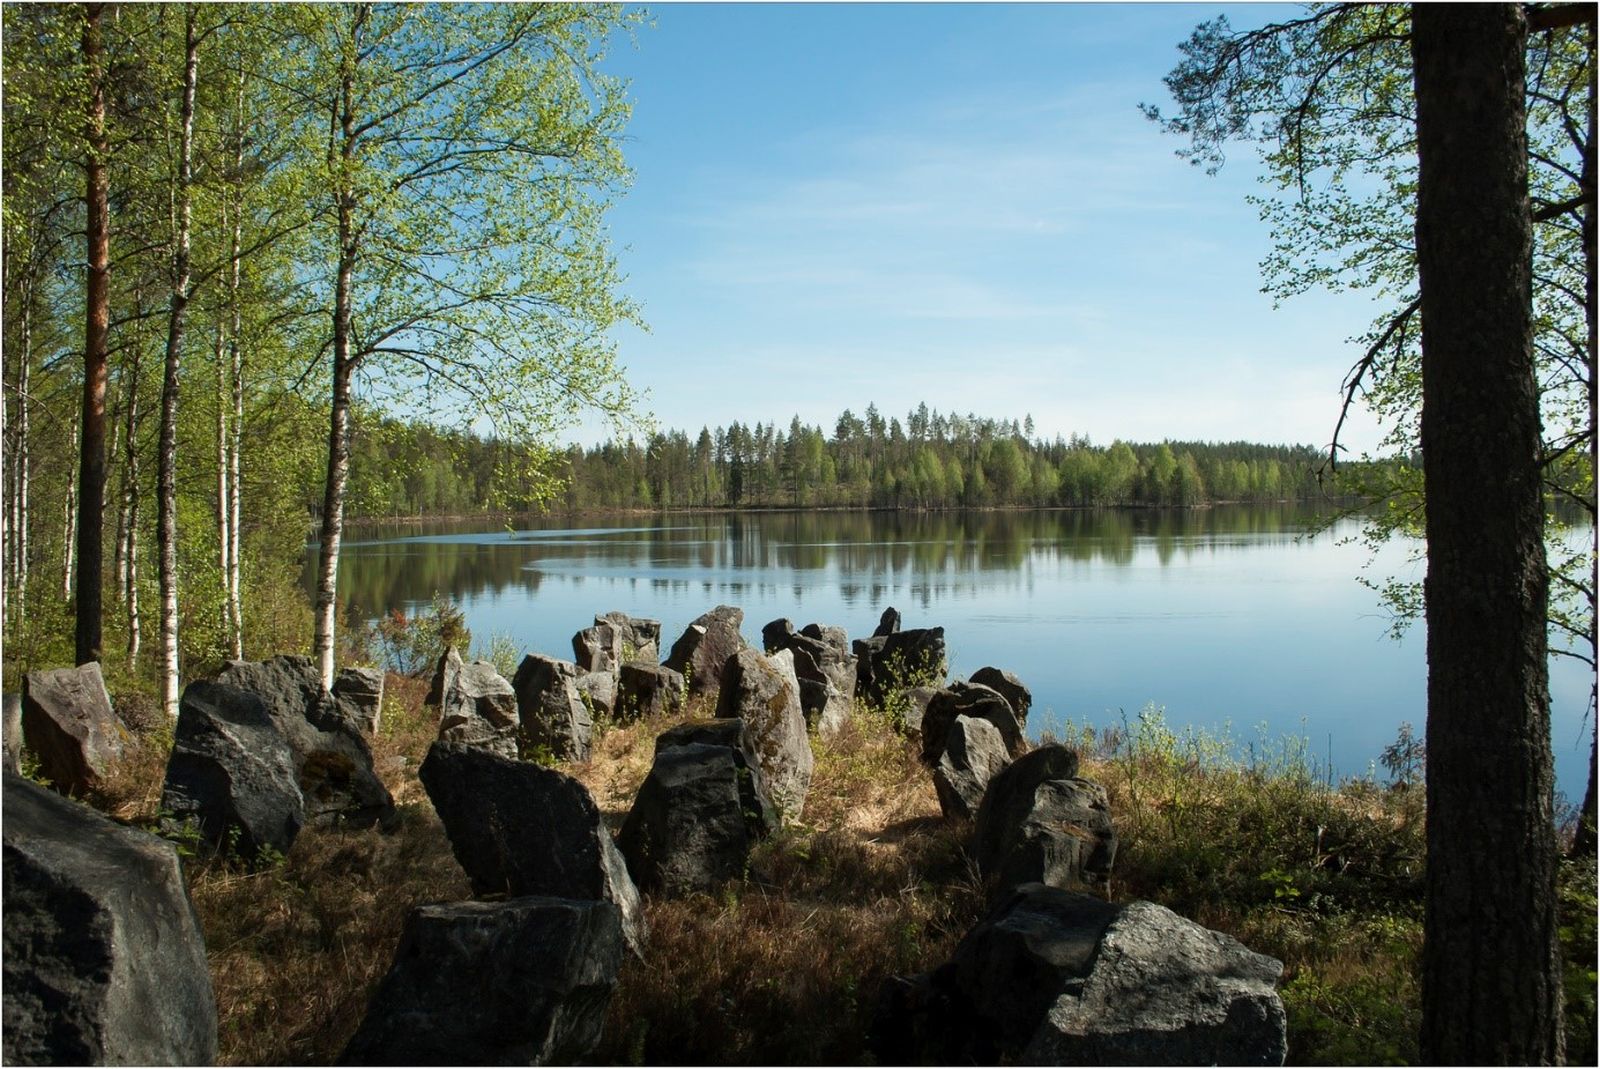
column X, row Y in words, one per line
column 931, row 460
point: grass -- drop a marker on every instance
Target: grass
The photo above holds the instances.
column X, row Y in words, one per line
column 784, row 965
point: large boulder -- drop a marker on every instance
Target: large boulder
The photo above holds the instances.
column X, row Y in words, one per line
column 1162, row 990
column 553, row 713
column 598, row 648
column 641, row 636
column 730, row 734
column 520, row 829
column 887, row 664
column 688, row 829
column 775, row 636
column 827, row 677
column 478, row 707
column 833, row 636
column 13, row 732
column 705, row 646
column 231, row 777
column 971, row 700
column 359, row 692
column 973, row 753
column 648, row 689
column 104, row 961
column 598, row 691
column 331, row 755
column 1010, row 687
column 1051, row 977
column 888, row 623
column 1039, row 822
column 521, row 982
column 764, row 693
column 70, row 726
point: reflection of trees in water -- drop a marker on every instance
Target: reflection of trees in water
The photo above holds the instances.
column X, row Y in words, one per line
column 869, row 553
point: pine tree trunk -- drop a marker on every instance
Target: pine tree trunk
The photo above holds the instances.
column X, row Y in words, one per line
column 167, row 458
column 97, row 320
column 1491, row 972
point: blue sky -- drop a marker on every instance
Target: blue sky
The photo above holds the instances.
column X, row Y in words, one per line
column 843, row 204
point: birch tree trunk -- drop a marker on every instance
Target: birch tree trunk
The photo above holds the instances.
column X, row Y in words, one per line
column 167, row 457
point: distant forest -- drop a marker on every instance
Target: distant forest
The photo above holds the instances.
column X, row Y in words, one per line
column 930, row 460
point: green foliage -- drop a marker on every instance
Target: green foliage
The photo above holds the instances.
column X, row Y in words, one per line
column 412, row 643
column 502, row 652
column 1578, row 905
column 1405, row 758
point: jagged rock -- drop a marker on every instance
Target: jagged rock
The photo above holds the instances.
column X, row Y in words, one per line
column 968, row 699
column 331, row 755
column 13, row 732
column 598, row 648
column 104, row 962
column 359, row 692
column 764, row 693
column 889, row 663
column 231, row 776
column 478, row 707
column 444, row 671
column 520, row 829
column 705, row 646
column 553, row 713
column 888, row 623
column 731, row 734
column 775, row 636
column 522, row 982
column 646, row 689
column 1162, row 990
column 1051, row 977
column 599, row 691
column 827, row 680
column 641, row 637
column 973, row 753
column 916, row 707
column 833, row 636
column 70, row 726
column 688, row 829
column 1040, row 823
column 1011, row 689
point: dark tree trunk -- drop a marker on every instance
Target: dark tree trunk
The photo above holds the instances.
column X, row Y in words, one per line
column 1491, row 972
column 97, row 321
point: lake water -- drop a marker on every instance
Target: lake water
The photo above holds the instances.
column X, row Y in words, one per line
column 1230, row 618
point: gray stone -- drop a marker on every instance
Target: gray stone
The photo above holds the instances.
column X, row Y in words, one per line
column 1040, row 823
column 104, row 961
column 973, row 753
column 13, row 732
column 553, row 714
column 521, row 982
column 916, row 707
column 70, row 727
column 599, row 691
column 764, row 693
column 688, row 829
column 598, row 648
column 641, row 637
column 973, row 700
column 827, row 681
column 478, row 707
column 1162, row 990
column 775, row 636
column 331, row 755
column 888, row 664
column 730, row 734
column 231, row 775
column 647, row 689
column 888, row 623
column 444, row 671
column 359, row 692
column 1052, row 977
column 520, row 829
column 705, row 646
column 833, row 636
column 1011, row 689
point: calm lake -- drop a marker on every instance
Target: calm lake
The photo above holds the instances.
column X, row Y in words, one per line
column 1231, row 619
